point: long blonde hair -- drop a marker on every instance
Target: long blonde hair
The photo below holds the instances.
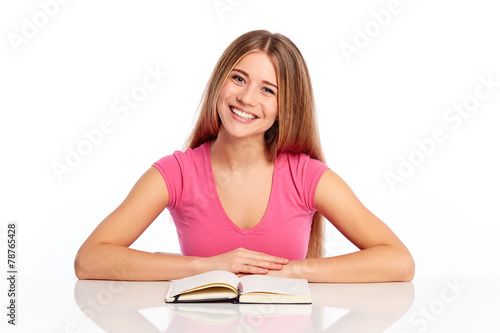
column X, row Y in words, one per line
column 295, row 131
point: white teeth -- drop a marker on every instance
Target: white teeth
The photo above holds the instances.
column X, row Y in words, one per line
column 242, row 114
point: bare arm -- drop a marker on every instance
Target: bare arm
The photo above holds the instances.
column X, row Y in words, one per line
column 106, row 254
column 383, row 257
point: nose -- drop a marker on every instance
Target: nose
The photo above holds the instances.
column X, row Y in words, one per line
column 246, row 96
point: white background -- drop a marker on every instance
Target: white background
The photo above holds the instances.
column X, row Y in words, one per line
column 65, row 76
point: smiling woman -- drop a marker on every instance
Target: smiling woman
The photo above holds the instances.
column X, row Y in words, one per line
column 249, row 192
column 247, row 105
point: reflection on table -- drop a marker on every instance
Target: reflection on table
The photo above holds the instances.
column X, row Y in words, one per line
column 117, row 306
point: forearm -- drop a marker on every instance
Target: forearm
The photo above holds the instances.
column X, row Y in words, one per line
column 377, row 264
column 114, row 262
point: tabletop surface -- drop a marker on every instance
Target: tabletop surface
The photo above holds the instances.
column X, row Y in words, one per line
column 423, row 305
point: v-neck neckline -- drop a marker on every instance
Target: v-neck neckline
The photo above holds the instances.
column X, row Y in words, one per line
column 215, row 194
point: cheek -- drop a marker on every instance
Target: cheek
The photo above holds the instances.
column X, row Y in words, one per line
column 221, row 98
column 273, row 108
column 224, row 92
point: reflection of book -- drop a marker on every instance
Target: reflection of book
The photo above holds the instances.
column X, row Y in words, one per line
column 223, row 285
column 224, row 313
column 220, row 313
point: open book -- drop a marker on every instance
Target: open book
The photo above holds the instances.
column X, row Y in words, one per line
column 224, row 285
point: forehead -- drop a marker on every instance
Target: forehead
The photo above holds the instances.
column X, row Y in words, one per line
column 258, row 64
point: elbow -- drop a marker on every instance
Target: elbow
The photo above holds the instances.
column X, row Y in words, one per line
column 82, row 265
column 406, row 267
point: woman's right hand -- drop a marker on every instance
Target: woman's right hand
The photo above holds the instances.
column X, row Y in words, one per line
column 243, row 261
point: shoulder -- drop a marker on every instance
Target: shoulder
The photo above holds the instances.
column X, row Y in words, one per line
column 300, row 164
column 182, row 159
column 181, row 169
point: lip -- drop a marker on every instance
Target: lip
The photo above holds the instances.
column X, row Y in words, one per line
column 242, row 110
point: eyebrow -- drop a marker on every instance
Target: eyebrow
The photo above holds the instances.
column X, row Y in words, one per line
column 246, row 74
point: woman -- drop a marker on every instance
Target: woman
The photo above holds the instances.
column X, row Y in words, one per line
column 249, row 194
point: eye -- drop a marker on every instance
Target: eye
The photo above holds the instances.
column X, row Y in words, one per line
column 238, row 79
column 269, row 91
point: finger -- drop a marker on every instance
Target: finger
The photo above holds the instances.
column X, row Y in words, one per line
column 262, row 261
column 271, row 262
column 247, row 269
column 266, row 257
column 264, row 264
column 278, row 260
column 253, row 262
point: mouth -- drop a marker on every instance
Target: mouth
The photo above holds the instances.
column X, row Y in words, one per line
column 242, row 114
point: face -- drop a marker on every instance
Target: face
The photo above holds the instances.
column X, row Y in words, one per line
column 248, row 102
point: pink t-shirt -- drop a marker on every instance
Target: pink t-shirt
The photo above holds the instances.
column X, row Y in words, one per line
column 205, row 230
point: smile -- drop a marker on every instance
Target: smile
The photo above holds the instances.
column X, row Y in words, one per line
column 242, row 114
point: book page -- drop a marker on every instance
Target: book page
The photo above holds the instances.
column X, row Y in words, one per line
column 211, row 293
column 214, row 278
column 272, row 284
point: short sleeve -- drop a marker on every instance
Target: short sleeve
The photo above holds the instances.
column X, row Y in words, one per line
column 171, row 172
column 312, row 170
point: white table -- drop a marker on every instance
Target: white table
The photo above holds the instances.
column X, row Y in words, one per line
column 424, row 305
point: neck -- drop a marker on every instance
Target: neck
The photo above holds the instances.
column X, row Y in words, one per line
column 238, row 154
